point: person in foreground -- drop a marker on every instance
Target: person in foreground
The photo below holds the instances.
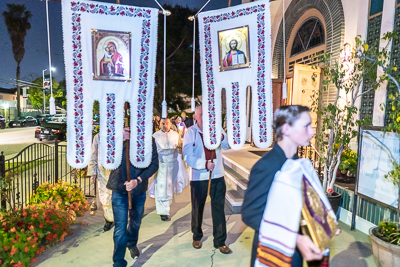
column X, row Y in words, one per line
column 292, row 125
column 200, row 158
column 128, row 237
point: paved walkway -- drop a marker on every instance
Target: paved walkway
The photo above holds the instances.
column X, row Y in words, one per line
column 169, row 243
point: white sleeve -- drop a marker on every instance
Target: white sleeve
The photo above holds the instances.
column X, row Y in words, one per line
column 195, row 161
column 225, row 143
column 93, row 164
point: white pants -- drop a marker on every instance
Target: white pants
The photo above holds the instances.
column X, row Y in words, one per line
column 163, row 206
column 105, row 199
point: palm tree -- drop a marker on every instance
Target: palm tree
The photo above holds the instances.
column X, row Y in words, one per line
column 17, row 22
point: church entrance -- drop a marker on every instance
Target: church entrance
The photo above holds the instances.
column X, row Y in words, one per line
column 306, row 82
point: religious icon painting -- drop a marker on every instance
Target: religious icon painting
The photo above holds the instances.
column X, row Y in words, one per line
column 234, row 52
column 111, row 55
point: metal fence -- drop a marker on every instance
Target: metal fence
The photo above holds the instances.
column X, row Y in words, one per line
column 36, row 164
column 310, row 153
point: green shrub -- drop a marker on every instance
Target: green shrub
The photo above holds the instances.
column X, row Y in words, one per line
column 24, row 233
column 70, row 195
column 388, row 232
column 348, row 161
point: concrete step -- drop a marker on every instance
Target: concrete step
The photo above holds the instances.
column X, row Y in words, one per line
column 237, row 182
column 243, row 172
column 236, row 177
column 233, row 199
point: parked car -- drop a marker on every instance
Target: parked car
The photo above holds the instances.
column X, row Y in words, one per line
column 23, row 121
column 51, row 130
column 2, row 122
column 43, row 118
column 59, row 117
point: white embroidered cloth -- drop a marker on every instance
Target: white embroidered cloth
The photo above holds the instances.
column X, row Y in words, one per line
column 257, row 74
column 281, row 219
column 79, row 19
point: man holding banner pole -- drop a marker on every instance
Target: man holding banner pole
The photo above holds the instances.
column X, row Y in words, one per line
column 207, row 167
column 127, row 237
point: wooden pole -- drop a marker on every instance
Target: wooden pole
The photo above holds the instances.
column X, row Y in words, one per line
column 229, row 3
column 128, row 164
column 209, row 179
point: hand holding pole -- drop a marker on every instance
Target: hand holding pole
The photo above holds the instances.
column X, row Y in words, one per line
column 128, row 164
column 209, row 179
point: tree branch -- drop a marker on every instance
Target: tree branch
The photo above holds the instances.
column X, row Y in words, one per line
column 176, row 48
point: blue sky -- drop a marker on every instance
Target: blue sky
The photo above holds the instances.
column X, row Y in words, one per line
column 36, row 57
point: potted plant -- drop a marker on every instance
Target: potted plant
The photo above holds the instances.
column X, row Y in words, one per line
column 348, row 163
column 385, row 240
column 354, row 74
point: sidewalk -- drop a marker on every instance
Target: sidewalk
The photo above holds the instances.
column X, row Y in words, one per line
column 170, row 243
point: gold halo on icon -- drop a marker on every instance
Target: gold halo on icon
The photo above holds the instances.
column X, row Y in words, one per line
column 111, row 39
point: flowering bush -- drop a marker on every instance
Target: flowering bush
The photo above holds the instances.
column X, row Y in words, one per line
column 24, row 233
column 348, row 161
column 70, row 195
column 330, row 191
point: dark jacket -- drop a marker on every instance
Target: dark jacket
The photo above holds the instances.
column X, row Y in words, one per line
column 188, row 122
column 118, row 176
column 261, row 176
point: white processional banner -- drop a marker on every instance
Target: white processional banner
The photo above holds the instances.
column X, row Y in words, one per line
column 110, row 56
column 235, row 49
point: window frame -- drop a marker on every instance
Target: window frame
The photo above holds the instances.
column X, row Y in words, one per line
column 297, row 32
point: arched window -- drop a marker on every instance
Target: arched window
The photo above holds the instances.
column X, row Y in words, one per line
column 310, row 34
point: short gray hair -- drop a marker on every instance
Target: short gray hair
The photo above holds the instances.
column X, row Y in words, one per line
column 287, row 114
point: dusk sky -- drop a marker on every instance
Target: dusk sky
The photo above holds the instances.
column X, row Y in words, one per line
column 36, row 57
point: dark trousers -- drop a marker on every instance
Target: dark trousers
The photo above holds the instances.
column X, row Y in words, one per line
column 297, row 259
column 126, row 237
column 198, row 190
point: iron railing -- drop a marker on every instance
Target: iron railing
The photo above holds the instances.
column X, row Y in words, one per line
column 310, row 153
column 36, row 164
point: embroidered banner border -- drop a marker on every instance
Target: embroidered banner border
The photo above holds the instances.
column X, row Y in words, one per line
column 261, row 92
column 78, row 8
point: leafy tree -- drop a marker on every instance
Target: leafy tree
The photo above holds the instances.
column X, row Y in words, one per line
column 36, row 94
column 339, row 123
column 179, row 58
column 60, row 94
column 17, row 22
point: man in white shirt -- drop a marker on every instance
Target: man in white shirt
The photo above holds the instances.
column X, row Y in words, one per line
column 167, row 144
column 198, row 157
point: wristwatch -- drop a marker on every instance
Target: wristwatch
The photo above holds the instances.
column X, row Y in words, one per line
column 139, row 180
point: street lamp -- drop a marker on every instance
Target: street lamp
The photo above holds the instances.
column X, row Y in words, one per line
column 44, row 97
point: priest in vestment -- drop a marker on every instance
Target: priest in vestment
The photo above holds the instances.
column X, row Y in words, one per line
column 165, row 181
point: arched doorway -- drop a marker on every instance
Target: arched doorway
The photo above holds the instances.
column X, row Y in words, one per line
column 326, row 16
column 306, row 43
